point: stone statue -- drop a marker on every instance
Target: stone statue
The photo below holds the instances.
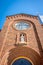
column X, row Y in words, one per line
column 22, row 38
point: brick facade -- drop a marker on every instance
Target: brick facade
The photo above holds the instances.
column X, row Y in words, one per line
column 10, row 45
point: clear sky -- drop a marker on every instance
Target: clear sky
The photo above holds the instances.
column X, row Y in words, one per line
column 12, row 7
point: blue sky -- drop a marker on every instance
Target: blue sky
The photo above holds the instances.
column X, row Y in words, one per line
column 12, row 7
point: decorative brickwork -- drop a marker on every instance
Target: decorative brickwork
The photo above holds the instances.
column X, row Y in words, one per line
column 11, row 46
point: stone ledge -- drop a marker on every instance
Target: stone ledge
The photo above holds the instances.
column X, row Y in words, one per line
column 20, row 44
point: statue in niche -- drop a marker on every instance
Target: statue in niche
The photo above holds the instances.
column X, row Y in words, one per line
column 22, row 38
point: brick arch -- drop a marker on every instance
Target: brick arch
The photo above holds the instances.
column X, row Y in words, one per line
column 22, row 57
column 24, row 52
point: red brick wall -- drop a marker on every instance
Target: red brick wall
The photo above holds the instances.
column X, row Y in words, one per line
column 9, row 36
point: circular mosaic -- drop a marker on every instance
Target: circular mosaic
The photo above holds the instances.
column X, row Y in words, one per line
column 22, row 61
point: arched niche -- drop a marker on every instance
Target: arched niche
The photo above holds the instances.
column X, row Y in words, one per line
column 23, row 37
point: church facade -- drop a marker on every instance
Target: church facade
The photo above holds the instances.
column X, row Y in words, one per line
column 21, row 40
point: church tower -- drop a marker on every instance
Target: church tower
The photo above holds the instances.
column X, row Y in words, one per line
column 21, row 41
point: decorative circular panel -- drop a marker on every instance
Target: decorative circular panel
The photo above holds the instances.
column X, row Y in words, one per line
column 22, row 61
column 21, row 25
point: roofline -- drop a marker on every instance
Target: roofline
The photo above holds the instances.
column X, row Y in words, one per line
column 22, row 14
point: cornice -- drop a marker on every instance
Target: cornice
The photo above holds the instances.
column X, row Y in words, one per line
column 21, row 15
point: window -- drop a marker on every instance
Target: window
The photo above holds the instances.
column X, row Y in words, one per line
column 22, row 61
column 22, row 25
